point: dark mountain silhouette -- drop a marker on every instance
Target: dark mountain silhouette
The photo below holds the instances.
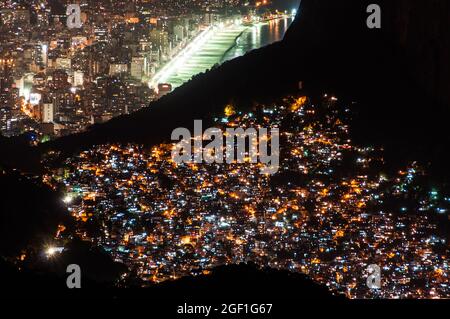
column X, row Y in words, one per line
column 242, row 281
column 40, row 276
column 29, row 214
column 224, row 283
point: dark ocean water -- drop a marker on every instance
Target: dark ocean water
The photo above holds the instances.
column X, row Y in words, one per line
column 258, row 36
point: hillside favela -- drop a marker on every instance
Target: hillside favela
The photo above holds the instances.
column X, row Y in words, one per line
column 189, row 152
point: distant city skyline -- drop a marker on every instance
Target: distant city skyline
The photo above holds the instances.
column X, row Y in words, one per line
column 57, row 80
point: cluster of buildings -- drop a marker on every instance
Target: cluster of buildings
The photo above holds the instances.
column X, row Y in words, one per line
column 329, row 212
column 56, row 80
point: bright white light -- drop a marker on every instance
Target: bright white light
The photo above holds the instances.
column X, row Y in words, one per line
column 26, row 94
column 73, row 90
column 67, row 199
column 294, row 12
column 50, row 251
column 35, row 98
column 180, row 59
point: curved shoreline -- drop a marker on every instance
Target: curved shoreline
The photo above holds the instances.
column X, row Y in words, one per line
column 230, row 42
column 235, row 43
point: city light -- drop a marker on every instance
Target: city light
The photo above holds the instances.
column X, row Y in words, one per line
column 358, row 208
column 59, row 75
column 68, row 199
column 171, row 67
column 53, row 250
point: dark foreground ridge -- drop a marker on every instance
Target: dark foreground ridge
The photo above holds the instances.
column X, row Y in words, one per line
column 246, row 281
column 224, row 283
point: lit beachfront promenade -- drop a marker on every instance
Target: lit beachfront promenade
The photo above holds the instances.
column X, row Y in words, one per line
column 216, row 45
